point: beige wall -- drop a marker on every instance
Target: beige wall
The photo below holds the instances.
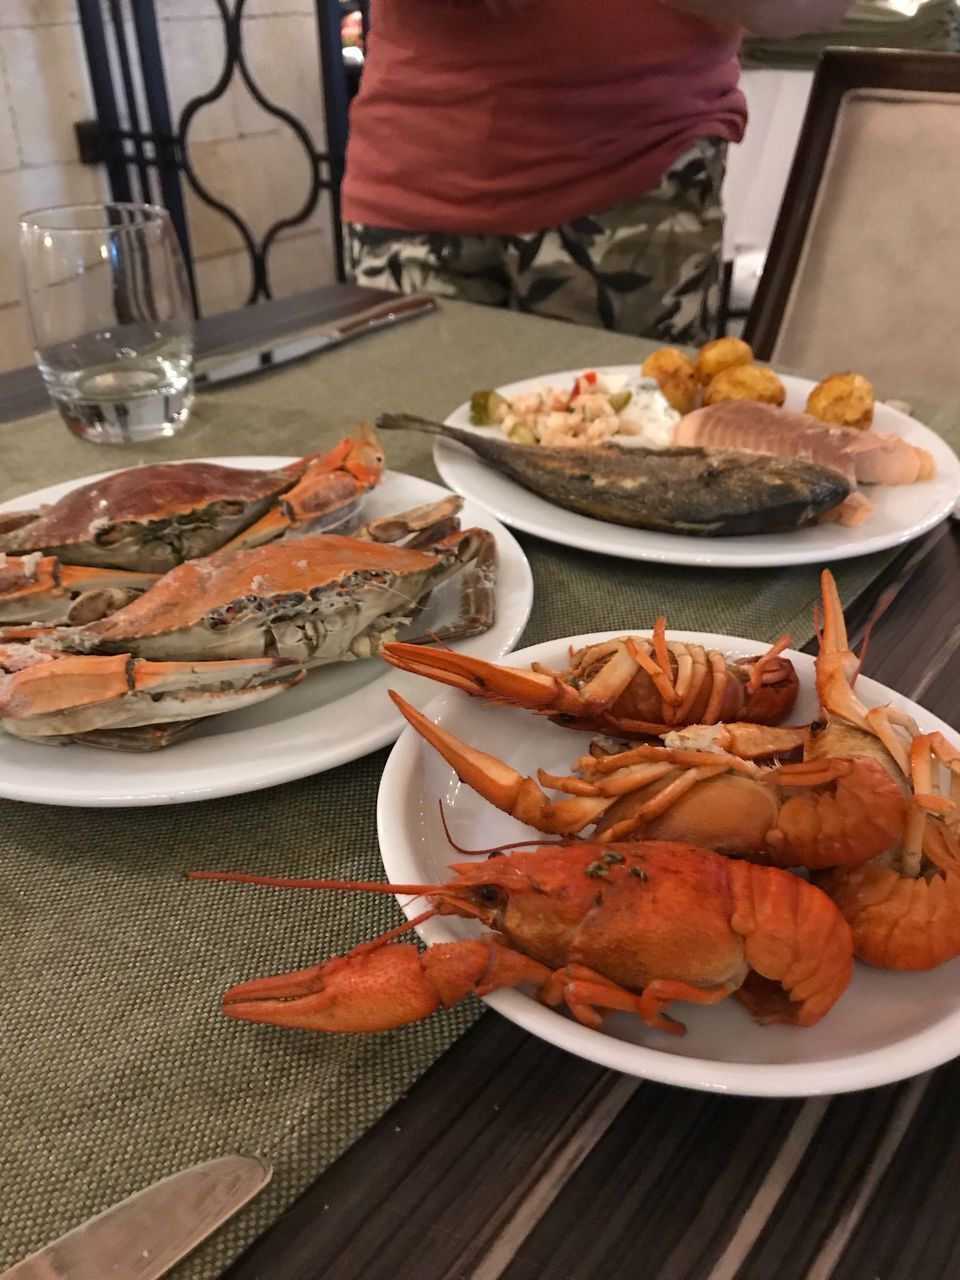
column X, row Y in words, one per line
column 244, row 156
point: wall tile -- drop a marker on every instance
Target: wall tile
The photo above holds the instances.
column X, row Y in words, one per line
column 259, row 8
column 193, row 55
column 223, row 283
column 32, row 13
column 264, row 177
column 9, row 148
column 284, row 58
column 178, row 10
column 15, row 346
column 23, row 189
column 51, row 57
column 300, row 262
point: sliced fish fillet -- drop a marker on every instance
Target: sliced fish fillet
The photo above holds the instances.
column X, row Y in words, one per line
column 863, row 457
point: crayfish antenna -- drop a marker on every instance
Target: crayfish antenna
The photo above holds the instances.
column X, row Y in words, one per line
column 287, row 882
column 494, row 850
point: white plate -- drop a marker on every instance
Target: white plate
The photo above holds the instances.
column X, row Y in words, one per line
column 338, row 713
column 886, row 1026
column 900, row 512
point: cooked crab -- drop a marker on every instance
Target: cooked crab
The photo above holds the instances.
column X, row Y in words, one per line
column 290, row 605
column 150, row 519
column 324, row 598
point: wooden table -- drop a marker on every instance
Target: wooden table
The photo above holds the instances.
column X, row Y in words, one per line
column 512, row 1159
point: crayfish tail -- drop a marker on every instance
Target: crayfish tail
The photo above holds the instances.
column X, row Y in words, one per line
column 794, row 937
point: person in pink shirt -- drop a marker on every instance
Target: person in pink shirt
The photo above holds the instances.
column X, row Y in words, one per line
column 563, row 157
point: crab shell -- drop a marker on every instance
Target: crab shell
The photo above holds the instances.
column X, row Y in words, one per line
column 150, row 519
column 319, row 599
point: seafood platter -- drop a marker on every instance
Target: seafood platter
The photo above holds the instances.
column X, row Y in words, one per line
column 137, row 607
column 748, row 880
column 718, row 462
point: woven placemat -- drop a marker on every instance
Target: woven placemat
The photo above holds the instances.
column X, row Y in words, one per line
column 118, row 1067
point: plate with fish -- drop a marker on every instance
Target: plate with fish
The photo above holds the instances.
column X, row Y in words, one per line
column 727, row 484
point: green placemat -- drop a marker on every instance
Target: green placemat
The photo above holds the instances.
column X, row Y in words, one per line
column 117, row 1066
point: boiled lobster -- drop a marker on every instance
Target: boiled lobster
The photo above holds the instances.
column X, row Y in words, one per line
column 631, row 686
column 628, row 926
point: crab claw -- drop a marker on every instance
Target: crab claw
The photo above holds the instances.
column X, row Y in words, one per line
column 378, row 989
column 69, row 694
column 39, row 589
column 519, row 688
column 327, row 492
column 503, row 786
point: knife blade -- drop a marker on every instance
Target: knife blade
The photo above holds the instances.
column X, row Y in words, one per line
column 282, row 350
column 145, row 1235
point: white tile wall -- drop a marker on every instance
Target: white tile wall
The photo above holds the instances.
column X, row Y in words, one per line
column 35, row 13
column 9, row 144
column 48, row 89
column 246, row 156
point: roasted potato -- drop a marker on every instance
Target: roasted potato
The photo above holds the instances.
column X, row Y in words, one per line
column 676, row 377
column 843, row 400
column 746, row 382
column 723, row 353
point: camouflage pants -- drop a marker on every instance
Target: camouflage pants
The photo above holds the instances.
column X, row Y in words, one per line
column 650, row 267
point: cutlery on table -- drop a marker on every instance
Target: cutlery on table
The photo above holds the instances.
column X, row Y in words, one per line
column 279, row 351
column 143, row 1236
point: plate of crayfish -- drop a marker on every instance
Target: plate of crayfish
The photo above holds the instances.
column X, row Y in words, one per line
column 188, row 630
column 747, row 882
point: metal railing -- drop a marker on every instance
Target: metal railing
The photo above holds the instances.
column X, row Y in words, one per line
column 146, row 151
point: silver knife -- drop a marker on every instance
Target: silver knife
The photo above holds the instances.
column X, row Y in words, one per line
column 143, row 1236
column 282, row 350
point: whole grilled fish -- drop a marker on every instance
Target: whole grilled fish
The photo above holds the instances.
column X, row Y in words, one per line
column 679, row 490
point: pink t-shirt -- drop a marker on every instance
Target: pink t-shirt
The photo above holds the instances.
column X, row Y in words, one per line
column 467, row 122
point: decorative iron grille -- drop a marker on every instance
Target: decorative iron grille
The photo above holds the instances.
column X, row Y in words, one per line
column 146, row 153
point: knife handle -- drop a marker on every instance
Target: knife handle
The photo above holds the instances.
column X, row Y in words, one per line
column 409, row 306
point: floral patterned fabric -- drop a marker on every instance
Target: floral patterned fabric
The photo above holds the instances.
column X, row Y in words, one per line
column 651, row 266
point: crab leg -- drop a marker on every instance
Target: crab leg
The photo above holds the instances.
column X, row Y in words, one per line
column 75, row 694
column 327, row 493
column 40, row 589
column 476, row 554
column 418, row 527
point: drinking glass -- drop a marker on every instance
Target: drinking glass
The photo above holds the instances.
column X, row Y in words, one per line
column 105, row 294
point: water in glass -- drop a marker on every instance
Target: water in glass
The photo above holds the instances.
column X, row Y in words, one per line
column 139, row 391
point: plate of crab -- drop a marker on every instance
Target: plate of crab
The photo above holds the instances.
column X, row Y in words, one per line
column 188, row 630
column 708, row 897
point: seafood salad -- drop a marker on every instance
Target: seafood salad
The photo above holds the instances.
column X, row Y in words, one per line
column 599, row 408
